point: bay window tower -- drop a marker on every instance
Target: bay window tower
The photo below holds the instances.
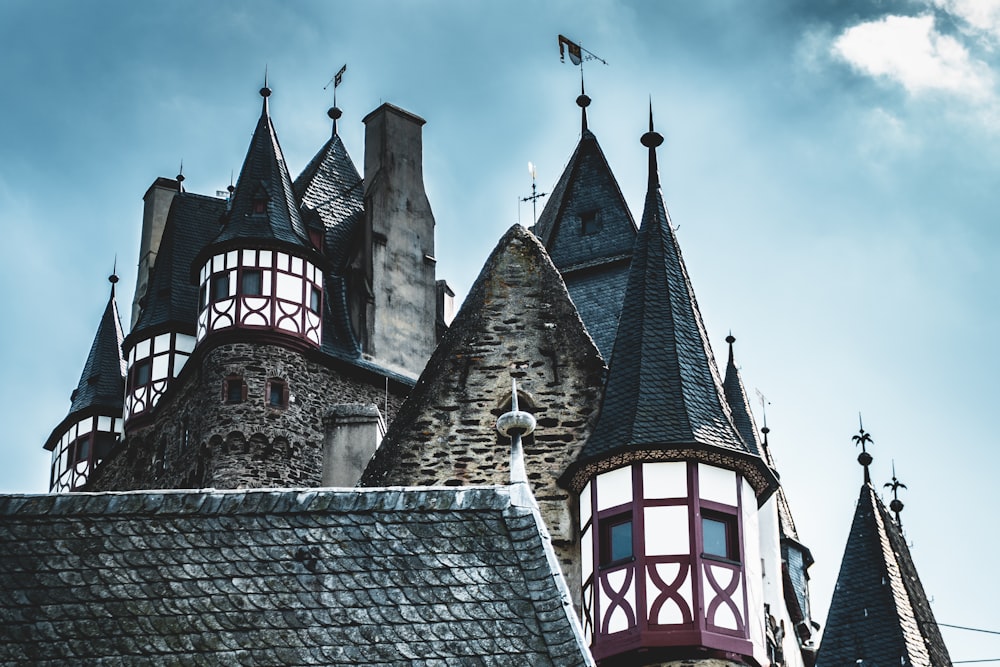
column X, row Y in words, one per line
column 263, row 272
column 668, row 488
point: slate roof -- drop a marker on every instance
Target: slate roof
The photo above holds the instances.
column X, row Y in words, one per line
column 171, row 300
column 879, row 612
column 283, row 577
column 736, row 397
column 663, row 391
column 264, row 173
column 594, row 266
column 102, row 383
column 331, row 186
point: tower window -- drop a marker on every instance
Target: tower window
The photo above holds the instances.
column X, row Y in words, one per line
column 719, row 536
column 252, row 283
column 142, row 373
column 616, row 539
column 315, row 299
column 234, row 390
column 277, row 393
column 590, row 223
column 220, row 286
column 260, row 205
column 81, row 449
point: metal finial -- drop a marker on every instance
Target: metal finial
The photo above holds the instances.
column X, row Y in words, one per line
column 651, row 139
column 896, row 505
column 113, row 278
column 513, row 425
column 265, row 92
column 583, row 101
column 863, row 438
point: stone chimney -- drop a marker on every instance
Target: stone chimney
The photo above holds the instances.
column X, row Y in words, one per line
column 353, row 433
column 156, row 205
column 399, row 331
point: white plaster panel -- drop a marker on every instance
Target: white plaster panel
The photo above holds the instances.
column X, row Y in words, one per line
column 142, row 349
column 161, row 366
column 614, row 488
column 185, row 343
column 203, row 274
column 288, row 324
column 281, row 261
column 752, row 541
column 724, row 617
column 297, row 266
column 84, row 427
column 666, row 530
column 289, row 287
column 618, row 620
column 232, row 259
column 585, row 501
column 587, row 554
column 218, row 263
column 664, row 480
column 717, row 484
column 670, row 612
column 249, row 258
column 104, row 423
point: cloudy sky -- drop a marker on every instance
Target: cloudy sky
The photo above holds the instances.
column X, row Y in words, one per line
column 832, row 168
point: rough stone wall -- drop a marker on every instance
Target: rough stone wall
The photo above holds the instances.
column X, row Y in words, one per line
column 199, row 441
column 517, row 321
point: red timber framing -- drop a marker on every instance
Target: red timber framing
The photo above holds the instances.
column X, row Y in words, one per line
column 152, row 364
column 669, row 596
column 81, row 448
column 264, row 290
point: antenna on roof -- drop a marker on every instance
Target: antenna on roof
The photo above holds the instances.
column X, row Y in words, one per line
column 533, row 197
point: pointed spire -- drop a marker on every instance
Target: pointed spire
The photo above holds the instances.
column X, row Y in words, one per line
column 664, row 394
column 652, row 140
column 879, row 613
column 739, row 404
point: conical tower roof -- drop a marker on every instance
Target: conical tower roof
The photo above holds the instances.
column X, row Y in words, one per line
column 516, row 321
column 264, row 176
column 589, row 233
column 879, row 614
column 663, row 399
column 102, row 383
column 739, row 405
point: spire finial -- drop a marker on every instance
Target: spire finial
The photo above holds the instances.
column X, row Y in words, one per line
column 265, row 92
column 863, row 438
column 180, row 177
column 651, row 140
column 113, row 278
column 731, row 339
column 513, row 425
column 896, row 505
column 334, row 112
column 583, row 101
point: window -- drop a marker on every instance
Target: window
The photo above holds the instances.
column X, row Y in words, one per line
column 142, row 373
column 103, row 444
column 203, row 297
column 315, row 299
column 234, row 390
column 590, row 223
column 81, row 449
column 252, row 283
column 616, row 539
column 277, row 394
column 259, row 205
column 719, row 536
column 220, row 286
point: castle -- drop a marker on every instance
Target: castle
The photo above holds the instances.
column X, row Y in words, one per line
column 294, row 336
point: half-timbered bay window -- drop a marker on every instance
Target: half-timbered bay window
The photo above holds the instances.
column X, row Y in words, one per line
column 667, row 552
column 151, row 364
column 82, row 447
column 261, row 289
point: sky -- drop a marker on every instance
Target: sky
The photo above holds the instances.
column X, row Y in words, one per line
column 831, row 167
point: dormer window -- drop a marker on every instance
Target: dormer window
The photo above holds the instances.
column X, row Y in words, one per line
column 590, row 223
column 260, row 205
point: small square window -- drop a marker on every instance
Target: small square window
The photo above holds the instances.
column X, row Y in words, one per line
column 142, row 373
column 315, row 299
column 590, row 223
column 252, row 283
column 616, row 539
column 277, row 394
column 719, row 536
column 82, row 450
column 220, row 286
column 260, row 205
column 235, row 390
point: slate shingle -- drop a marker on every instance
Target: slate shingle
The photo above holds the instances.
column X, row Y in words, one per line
column 387, row 576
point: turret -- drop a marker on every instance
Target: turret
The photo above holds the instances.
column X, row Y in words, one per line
column 668, row 489
column 94, row 423
column 263, row 273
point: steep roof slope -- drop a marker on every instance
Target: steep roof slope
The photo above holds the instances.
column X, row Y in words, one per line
column 516, row 321
column 664, row 396
column 879, row 613
column 282, row 577
column 589, row 233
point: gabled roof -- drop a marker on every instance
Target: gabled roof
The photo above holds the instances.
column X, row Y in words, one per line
column 517, row 320
column 264, row 174
column 879, row 613
column 331, row 186
column 594, row 265
column 267, row 577
column 172, row 298
column 664, row 393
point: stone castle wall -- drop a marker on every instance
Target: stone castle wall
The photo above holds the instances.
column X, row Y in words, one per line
column 198, row 440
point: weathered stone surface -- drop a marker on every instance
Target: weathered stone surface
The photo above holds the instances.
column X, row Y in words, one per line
column 196, row 439
column 518, row 321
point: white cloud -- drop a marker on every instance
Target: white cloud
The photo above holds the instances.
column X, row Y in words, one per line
column 909, row 50
column 981, row 15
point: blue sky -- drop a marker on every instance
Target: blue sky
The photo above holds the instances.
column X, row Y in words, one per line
column 832, row 168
